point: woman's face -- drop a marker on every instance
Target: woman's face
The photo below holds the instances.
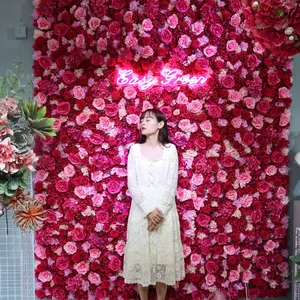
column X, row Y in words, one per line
column 149, row 124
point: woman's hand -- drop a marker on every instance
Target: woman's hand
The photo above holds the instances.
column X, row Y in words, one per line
column 152, row 226
column 154, row 219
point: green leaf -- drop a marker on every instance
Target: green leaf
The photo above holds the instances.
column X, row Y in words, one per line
column 2, row 186
column 41, row 113
column 25, row 177
column 13, row 184
column 295, row 259
column 297, row 277
column 8, row 191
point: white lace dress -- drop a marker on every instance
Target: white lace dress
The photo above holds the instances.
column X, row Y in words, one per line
column 155, row 256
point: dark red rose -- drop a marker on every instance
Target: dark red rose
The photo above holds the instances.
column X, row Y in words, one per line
column 161, row 51
column 45, row 62
column 220, row 63
column 40, row 294
column 218, row 250
column 62, row 263
column 262, row 262
column 221, row 238
column 211, row 267
column 97, row 59
column 280, row 232
column 277, row 157
column 76, row 258
column 203, row 220
column 263, row 106
column 195, row 277
column 61, row 29
column 256, row 216
column 63, row 108
column 231, row 260
column 245, row 264
column 114, row 28
column 214, row 111
column 248, row 138
column 111, row 62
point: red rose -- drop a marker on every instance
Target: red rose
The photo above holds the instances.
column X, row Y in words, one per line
column 114, row 28
column 215, row 190
column 228, row 161
column 273, row 78
column 157, row 66
column 76, row 258
column 280, row 232
column 223, row 93
column 45, row 62
column 61, row 29
column 69, row 77
column 263, row 186
column 220, row 63
column 115, row 264
column 111, row 110
column 231, row 260
column 161, row 51
column 97, row 59
column 214, row 111
column 182, row 5
column 102, row 216
column 200, row 143
column 114, row 233
column 62, row 263
column 40, row 294
column 228, row 81
column 248, row 138
column 63, row 108
column 195, row 277
column 245, row 264
column 59, row 293
column 261, row 262
column 78, row 234
column 263, row 106
column 277, row 157
column 106, row 284
column 216, row 29
column 221, row 238
column 118, row 4
column 203, row 220
column 201, row 63
column 252, row 61
column 256, row 216
column 211, row 267
column 218, row 250
column 100, row 293
column 111, row 62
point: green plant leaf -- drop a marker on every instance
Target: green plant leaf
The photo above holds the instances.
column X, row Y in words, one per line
column 295, row 259
column 297, row 277
column 2, row 186
column 13, row 184
column 41, row 113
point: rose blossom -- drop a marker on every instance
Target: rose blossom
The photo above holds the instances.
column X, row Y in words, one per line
column 234, row 275
column 235, row 20
column 130, row 41
column 184, row 41
column 97, row 200
column 130, row 92
column 115, row 263
column 40, row 98
column 203, row 220
column 232, row 45
column 80, row 41
column 58, row 293
column 120, row 247
column 70, row 248
column 216, row 29
column 210, row 279
column 270, row 246
column 94, row 278
column 195, row 259
column 128, row 17
column 62, row 263
column 78, row 92
column 247, row 276
column 197, row 179
column 81, row 192
column 94, row 253
column 80, row 13
column 229, row 250
column 206, row 126
column 250, row 102
column 234, row 96
column 102, row 216
column 182, row 98
column 195, row 106
column 210, row 51
column 227, row 81
column 114, row 28
column 62, row 186
column 40, row 252
column 222, row 176
column 69, row 170
column 147, row 52
column 99, row 103
column 197, row 27
column 285, row 118
column 244, row 178
column 173, row 21
column 45, row 276
column 236, row 122
column 82, row 118
column 147, row 24
column 101, row 44
column 271, row 170
column 43, row 24
column 258, row 122
column 263, row 186
column 165, row 35
column 283, row 92
column 94, row 23
column 53, row 45
column 114, row 187
column 182, row 5
column 41, row 175
column 82, row 268
column 132, row 119
column 64, row 108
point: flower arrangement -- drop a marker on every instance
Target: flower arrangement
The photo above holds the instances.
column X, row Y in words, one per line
column 20, row 121
column 275, row 24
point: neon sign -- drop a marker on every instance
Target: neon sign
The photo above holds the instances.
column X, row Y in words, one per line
column 167, row 77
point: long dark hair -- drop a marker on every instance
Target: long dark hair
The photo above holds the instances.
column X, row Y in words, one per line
column 163, row 134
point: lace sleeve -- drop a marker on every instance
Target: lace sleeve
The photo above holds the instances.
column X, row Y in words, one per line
column 172, row 179
column 136, row 193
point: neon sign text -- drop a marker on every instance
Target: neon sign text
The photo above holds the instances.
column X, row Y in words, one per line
column 167, row 77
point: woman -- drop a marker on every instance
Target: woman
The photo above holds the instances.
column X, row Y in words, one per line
column 153, row 252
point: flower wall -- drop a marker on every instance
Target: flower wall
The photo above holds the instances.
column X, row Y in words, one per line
column 231, row 133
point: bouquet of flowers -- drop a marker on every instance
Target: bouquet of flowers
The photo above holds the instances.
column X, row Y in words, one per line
column 275, row 24
column 20, row 121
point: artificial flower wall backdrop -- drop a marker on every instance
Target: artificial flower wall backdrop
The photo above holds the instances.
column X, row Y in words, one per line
column 231, row 130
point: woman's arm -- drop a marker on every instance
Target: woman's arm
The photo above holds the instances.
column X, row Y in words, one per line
column 172, row 180
column 136, row 193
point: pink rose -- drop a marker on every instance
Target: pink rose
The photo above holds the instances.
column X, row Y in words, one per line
column 115, row 263
column 94, row 253
column 120, row 247
column 234, row 96
column 281, row 192
column 101, row 44
column 216, row 29
column 80, row 13
column 197, row 179
column 40, row 252
column 102, row 216
column 247, row 201
column 173, row 21
column 195, row 106
column 210, row 51
column 53, row 44
column 41, row 175
column 195, row 259
column 127, row 18
column 129, row 92
column 165, row 35
column 263, row 186
column 94, row 278
column 40, row 98
column 111, row 110
column 114, row 187
column 97, row 200
column 82, row 118
column 236, row 122
column 271, row 170
column 283, row 266
column 263, row 106
column 130, row 41
column 43, row 24
column 114, row 28
column 182, row 194
column 206, row 126
column 256, row 216
column 70, row 248
column 69, row 170
column 132, row 119
column 45, row 276
column 270, row 245
column 214, row 111
column 197, row 27
column 232, row 45
column 273, row 78
column 62, row 186
column 80, row 41
column 222, row 176
column 62, row 263
column 82, row 268
column 234, row 275
column 227, row 81
column 147, row 24
column 252, row 61
column 185, row 125
column 235, row 20
column 64, row 108
column 147, row 52
column 182, row 98
column 94, row 23
column 81, row 192
column 247, row 276
column 210, row 279
column 250, row 102
column 78, row 234
column 203, row 220
column 182, row 5
column 258, row 122
column 99, row 103
column 285, row 118
column 221, row 239
column 244, row 178
column 97, row 176
column 229, row 250
column 184, row 41
column 232, row 195
column 283, row 92
column 78, row 92
column 105, row 123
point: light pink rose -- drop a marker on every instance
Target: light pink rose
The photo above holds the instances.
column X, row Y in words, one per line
column 94, row 278
column 210, row 279
column 234, row 96
column 186, row 250
column 195, row 259
column 127, row 18
column 114, row 187
column 182, row 194
column 210, row 51
column 247, row 201
column 184, row 125
column 247, row 276
column 234, row 275
column 195, row 106
column 132, row 119
column 236, row 122
column 283, row 92
column 203, row 40
column 235, row 20
column 184, row 41
column 270, row 245
column 147, row 52
column 271, row 170
column 82, row 118
column 94, row 23
column 40, row 252
column 101, row 44
column 105, row 123
column 258, row 122
column 81, row 192
column 97, row 176
column 80, row 13
column 258, row 48
column 147, row 24
column 197, row 27
column 99, row 103
column 43, row 24
column 232, row 195
column 129, row 92
column 232, row 45
column 94, row 253
column 69, row 170
column 173, row 21
column 283, row 266
column 130, row 41
column 45, row 276
column 80, row 41
column 40, row 98
column 244, row 178
column 250, row 102
column 281, row 192
column 120, row 247
column 70, row 248
column 285, row 118
column 97, row 200
column 41, row 175
column 82, row 268
column 78, row 92
column 222, row 176
column 197, row 179
column 229, row 250
column 147, row 105
column 247, row 253
column 206, row 126
column 53, row 44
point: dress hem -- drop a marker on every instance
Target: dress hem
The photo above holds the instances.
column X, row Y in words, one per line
column 153, row 283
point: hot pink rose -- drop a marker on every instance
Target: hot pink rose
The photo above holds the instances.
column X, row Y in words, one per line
column 80, row 13
column 97, row 200
column 70, row 248
column 270, row 245
column 232, row 195
column 78, row 234
column 102, row 216
column 210, row 279
column 129, row 92
column 182, row 98
column 173, row 21
column 43, row 24
column 114, row 187
column 81, row 192
column 234, row 275
column 132, row 119
column 62, row 263
column 206, row 126
column 250, row 102
column 216, row 29
column 94, row 23
column 53, row 44
column 184, row 41
column 227, row 81
column 82, row 118
column 197, row 27
column 235, row 20
column 232, row 45
column 78, row 92
column 165, row 35
column 210, row 51
column 222, row 239
column 147, row 24
column 62, row 186
column 195, row 259
column 130, row 41
column 115, row 263
column 64, row 108
column 45, row 276
column 82, row 268
column 94, row 278
column 203, row 220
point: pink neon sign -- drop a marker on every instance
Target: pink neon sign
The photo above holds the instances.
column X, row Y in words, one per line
column 167, row 77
